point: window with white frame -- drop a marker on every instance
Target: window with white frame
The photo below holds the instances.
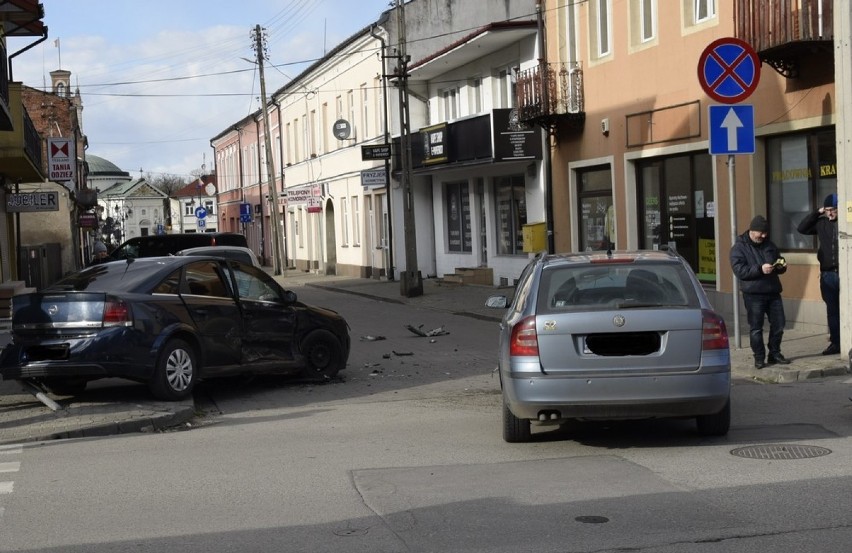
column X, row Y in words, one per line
column 647, row 20
column 313, row 132
column 379, row 103
column 296, row 138
column 189, row 208
column 345, row 206
column 322, row 128
column 475, row 96
column 339, row 107
column 306, row 138
column 356, row 221
column 289, row 145
column 506, row 82
column 365, row 112
column 704, row 10
column 450, row 103
column 601, row 27
column 350, row 108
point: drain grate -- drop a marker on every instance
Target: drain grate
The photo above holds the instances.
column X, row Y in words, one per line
column 780, row 452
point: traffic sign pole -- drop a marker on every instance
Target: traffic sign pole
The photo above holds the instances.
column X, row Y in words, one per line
column 728, row 71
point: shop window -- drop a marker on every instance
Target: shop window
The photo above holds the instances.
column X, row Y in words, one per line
column 457, row 215
column 677, row 209
column 597, row 215
column 801, row 172
column 511, row 214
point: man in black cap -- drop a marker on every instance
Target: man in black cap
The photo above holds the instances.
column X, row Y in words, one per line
column 756, row 262
column 823, row 224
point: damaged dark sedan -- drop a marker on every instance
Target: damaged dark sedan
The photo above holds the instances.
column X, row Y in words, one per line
column 169, row 322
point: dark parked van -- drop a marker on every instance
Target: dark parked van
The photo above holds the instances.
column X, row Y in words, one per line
column 167, row 244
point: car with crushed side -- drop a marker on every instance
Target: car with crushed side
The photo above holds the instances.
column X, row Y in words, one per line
column 169, row 322
column 611, row 336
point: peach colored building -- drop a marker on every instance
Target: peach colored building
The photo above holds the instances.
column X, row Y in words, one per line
column 631, row 166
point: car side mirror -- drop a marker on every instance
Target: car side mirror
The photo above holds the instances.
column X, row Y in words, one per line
column 497, row 302
column 289, row 296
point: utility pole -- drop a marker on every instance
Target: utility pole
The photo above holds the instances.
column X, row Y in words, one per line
column 260, row 49
column 843, row 139
column 410, row 282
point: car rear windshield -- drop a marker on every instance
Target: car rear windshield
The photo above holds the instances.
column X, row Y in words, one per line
column 615, row 286
column 118, row 276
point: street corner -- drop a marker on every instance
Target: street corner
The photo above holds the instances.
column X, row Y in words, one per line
column 107, row 408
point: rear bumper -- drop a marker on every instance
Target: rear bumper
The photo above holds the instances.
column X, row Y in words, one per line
column 617, row 398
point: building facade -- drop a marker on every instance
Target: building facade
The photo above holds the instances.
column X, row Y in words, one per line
column 633, row 168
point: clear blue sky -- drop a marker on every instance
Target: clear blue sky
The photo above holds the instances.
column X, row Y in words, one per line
column 160, row 78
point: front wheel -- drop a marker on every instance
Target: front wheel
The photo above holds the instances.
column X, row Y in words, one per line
column 716, row 424
column 176, row 372
column 323, row 355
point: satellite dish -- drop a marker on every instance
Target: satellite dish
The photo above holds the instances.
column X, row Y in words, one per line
column 210, row 189
column 342, row 129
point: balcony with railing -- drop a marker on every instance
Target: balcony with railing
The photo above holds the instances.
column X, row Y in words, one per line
column 20, row 148
column 786, row 32
column 550, row 94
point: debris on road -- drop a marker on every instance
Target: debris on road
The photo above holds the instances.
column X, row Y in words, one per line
column 372, row 338
column 403, row 353
column 427, row 333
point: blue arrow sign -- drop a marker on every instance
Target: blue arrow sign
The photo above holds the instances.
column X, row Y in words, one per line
column 731, row 129
column 200, row 213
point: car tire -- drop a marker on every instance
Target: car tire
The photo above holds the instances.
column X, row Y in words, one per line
column 176, row 372
column 515, row 430
column 323, row 355
column 716, row 424
column 65, row 386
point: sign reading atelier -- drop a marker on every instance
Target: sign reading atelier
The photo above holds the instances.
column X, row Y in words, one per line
column 513, row 139
column 434, row 144
column 31, row 202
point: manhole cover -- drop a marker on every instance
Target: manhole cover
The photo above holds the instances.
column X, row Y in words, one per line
column 780, row 451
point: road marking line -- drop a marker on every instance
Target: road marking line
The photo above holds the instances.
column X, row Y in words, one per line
column 13, row 466
column 6, row 487
column 11, row 449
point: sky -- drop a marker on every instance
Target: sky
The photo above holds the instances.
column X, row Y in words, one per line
column 160, row 78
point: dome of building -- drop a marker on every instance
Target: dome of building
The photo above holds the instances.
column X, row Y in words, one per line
column 100, row 167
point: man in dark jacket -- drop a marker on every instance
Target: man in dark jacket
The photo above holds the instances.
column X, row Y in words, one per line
column 757, row 263
column 823, row 223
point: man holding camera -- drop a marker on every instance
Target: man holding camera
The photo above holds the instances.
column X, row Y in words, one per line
column 756, row 262
column 823, row 224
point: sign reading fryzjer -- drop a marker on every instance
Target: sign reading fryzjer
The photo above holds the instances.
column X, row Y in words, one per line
column 373, row 178
column 61, row 159
column 514, row 140
column 32, row 201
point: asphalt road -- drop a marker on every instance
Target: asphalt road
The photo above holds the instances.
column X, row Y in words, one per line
column 405, row 454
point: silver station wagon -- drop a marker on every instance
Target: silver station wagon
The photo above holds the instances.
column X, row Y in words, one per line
column 612, row 336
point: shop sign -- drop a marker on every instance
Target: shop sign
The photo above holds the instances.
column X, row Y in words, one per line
column 372, row 178
column 434, row 144
column 513, row 139
column 32, row 201
column 87, row 220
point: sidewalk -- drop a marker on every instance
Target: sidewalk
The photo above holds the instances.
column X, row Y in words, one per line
column 113, row 406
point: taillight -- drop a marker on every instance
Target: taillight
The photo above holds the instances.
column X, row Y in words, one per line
column 116, row 313
column 524, row 339
column 714, row 333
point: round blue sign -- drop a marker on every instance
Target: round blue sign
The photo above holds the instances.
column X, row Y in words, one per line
column 729, row 70
column 200, row 213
